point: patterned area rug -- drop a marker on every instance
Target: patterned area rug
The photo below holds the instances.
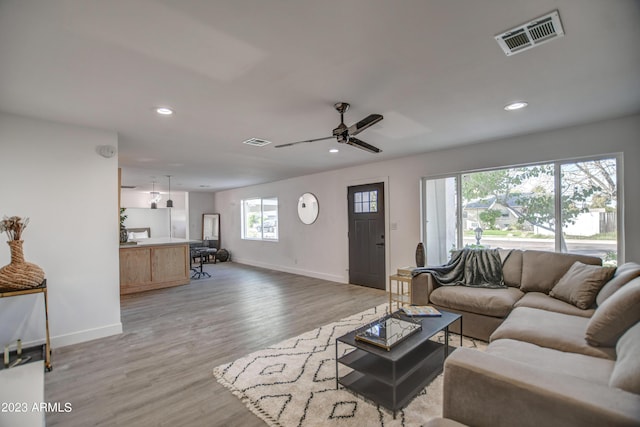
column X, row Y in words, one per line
column 293, row 383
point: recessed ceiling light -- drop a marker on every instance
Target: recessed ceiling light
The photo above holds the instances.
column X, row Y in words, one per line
column 164, row 111
column 333, row 150
column 515, row 105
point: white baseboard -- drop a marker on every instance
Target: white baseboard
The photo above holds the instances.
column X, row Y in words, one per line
column 302, row 272
column 86, row 335
column 58, row 341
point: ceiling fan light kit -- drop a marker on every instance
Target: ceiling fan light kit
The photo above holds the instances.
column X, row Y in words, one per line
column 344, row 134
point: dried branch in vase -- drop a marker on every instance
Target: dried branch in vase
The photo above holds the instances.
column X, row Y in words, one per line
column 13, row 226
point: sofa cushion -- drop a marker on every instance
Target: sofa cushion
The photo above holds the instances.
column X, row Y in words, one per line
column 624, row 274
column 490, row 302
column 616, row 314
column 511, row 266
column 551, row 330
column 541, row 270
column 545, row 302
column 581, row 283
column 626, row 372
column 480, row 389
column 589, row 368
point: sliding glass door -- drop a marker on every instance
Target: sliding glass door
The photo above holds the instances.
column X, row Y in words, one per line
column 566, row 206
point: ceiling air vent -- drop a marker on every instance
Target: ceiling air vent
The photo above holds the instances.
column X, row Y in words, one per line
column 256, row 142
column 531, row 34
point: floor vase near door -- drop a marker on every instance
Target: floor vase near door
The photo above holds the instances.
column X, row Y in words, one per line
column 420, row 255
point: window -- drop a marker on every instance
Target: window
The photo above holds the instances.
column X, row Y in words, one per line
column 589, row 208
column 441, row 222
column 527, row 194
column 566, row 206
column 365, row 201
column 260, row 219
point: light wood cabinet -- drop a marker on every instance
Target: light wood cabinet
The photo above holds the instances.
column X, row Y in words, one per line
column 148, row 267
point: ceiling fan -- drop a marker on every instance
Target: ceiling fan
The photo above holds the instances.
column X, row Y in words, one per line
column 344, row 134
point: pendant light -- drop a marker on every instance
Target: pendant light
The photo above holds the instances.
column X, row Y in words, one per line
column 154, row 205
column 169, row 202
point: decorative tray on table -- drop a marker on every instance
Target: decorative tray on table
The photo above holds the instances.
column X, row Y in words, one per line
column 388, row 331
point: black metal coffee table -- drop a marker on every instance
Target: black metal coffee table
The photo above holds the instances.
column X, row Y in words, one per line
column 393, row 378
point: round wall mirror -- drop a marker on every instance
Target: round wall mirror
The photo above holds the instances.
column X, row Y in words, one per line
column 308, row 208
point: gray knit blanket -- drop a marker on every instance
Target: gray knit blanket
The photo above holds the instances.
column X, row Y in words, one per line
column 480, row 268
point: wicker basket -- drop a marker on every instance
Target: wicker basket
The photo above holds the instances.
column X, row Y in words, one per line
column 19, row 274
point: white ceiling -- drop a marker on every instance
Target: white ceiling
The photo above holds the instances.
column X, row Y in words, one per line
column 272, row 69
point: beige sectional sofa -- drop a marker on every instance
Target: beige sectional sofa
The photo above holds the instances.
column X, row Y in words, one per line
column 550, row 365
column 529, row 276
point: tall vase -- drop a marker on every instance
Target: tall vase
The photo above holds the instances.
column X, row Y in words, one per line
column 420, row 255
column 19, row 274
column 124, row 236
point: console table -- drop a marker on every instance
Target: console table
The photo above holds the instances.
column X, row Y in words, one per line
column 42, row 288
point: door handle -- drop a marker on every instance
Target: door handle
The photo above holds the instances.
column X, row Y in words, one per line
column 380, row 244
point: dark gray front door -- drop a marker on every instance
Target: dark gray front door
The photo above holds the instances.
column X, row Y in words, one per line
column 366, row 235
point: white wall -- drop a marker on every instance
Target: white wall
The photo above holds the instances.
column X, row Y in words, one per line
column 52, row 174
column 156, row 219
column 199, row 203
column 321, row 249
column 178, row 222
column 141, row 215
column 131, row 198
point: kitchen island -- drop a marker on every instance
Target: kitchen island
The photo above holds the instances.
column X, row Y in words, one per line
column 154, row 263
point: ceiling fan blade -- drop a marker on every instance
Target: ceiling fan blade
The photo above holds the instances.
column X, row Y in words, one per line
column 355, row 142
column 304, row 142
column 364, row 123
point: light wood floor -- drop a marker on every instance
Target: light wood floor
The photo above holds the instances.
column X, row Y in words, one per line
column 159, row 371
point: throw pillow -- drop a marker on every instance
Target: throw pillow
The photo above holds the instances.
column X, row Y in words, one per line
column 541, row 270
column 624, row 274
column 617, row 314
column 626, row 371
column 581, row 283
